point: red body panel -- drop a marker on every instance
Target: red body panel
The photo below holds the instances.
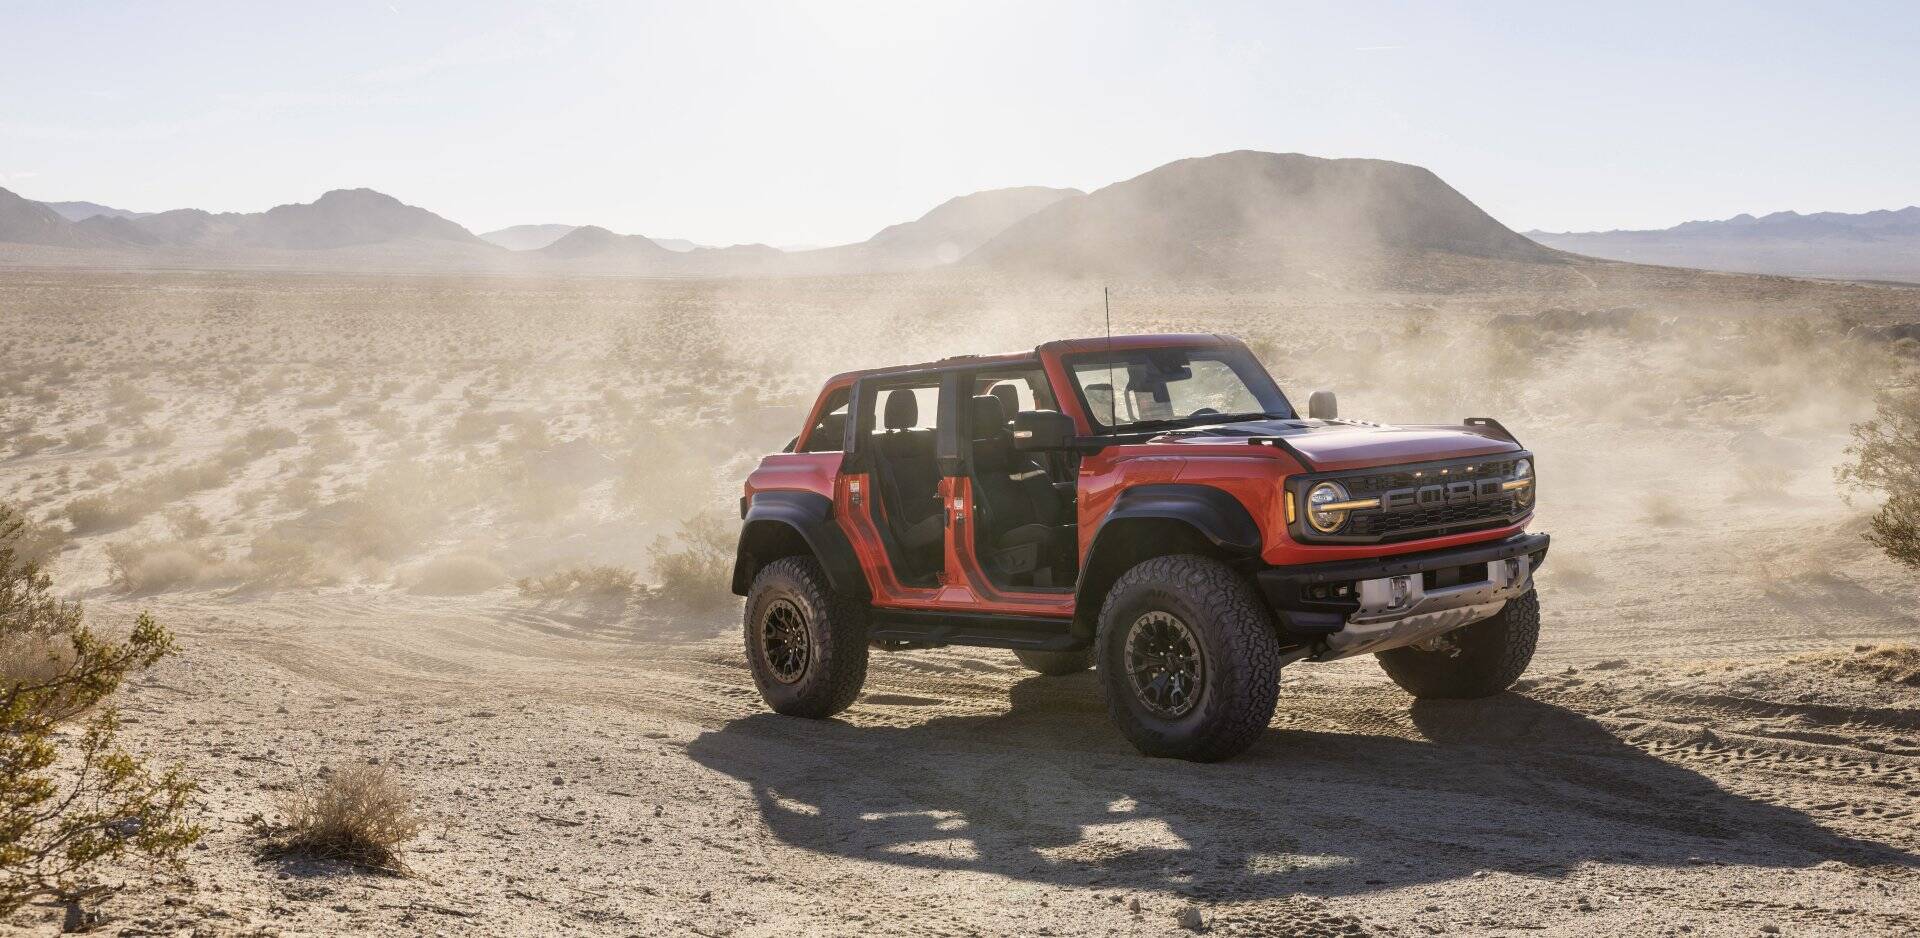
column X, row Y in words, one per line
column 1253, row 475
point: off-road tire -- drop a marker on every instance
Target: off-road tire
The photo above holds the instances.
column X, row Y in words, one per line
column 1056, row 663
column 836, row 629
column 1493, row 653
column 1239, row 652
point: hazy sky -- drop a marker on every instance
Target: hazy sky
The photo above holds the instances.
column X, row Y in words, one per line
column 822, row 122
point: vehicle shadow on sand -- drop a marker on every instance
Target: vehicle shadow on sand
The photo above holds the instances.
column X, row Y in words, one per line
column 1048, row 791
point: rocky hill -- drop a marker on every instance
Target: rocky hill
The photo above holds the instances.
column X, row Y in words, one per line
column 1270, row 215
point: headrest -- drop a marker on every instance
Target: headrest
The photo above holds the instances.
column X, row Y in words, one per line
column 989, row 417
column 830, row 432
column 903, row 409
column 1009, row 397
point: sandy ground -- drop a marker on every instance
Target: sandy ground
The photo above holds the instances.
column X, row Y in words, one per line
column 1701, row 746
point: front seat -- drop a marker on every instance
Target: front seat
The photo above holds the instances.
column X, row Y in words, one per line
column 1024, row 523
column 910, row 481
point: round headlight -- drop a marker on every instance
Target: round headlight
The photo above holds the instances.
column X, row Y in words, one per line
column 1523, row 472
column 1326, row 493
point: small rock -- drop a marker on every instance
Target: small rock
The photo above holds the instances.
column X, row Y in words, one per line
column 1189, row 918
column 1133, row 905
column 557, row 780
column 1770, row 929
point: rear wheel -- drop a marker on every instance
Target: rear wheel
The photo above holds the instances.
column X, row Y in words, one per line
column 1056, row 663
column 806, row 644
column 1478, row 660
column 1189, row 663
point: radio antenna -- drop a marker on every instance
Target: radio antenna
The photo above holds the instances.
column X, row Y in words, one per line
column 1113, row 390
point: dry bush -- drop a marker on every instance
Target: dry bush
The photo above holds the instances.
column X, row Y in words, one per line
column 1761, row 482
column 1887, row 664
column 279, row 559
column 30, row 443
column 457, row 575
column 1884, row 458
column 1663, row 510
column 150, row 437
column 474, row 426
column 593, row 582
column 694, row 566
column 137, row 499
column 88, row 437
column 152, row 567
column 30, row 541
column 358, row 814
column 188, row 523
column 73, row 803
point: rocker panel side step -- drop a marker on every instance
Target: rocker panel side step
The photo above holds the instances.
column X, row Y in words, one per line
column 913, row 628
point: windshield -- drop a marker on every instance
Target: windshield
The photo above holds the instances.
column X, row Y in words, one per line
column 1163, row 388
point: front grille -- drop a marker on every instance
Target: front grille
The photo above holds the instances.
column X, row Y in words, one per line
column 1430, row 522
column 1376, row 526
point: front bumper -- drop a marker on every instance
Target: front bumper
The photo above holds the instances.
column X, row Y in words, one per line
column 1352, row 607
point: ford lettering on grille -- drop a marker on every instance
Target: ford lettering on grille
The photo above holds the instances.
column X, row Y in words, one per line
column 1464, row 492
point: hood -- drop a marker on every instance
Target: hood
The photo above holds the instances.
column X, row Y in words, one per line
column 1353, row 444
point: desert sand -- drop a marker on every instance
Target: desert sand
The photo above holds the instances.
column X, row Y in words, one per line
column 328, row 484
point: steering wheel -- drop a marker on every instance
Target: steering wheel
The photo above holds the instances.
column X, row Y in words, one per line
column 1205, row 412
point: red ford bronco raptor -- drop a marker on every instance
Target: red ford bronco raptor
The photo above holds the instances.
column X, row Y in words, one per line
column 1148, row 505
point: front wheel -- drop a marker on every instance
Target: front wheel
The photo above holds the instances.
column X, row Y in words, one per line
column 1477, row 660
column 1189, row 663
column 806, row 644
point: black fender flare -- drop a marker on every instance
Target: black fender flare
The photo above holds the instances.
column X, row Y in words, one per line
column 1214, row 514
column 774, row 518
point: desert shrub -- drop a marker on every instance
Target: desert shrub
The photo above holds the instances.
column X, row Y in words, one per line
column 127, row 396
column 1888, row 664
column 259, row 441
column 150, row 437
column 135, row 500
column 96, row 513
column 474, row 426
column 300, row 494
column 88, row 437
column 29, row 541
column 694, row 566
column 278, row 558
column 1663, row 510
column 1884, row 458
column 593, row 582
column 359, row 814
column 103, row 471
column 72, row 804
column 457, row 574
column 188, row 523
column 1762, row 481
column 151, row 567
column 30, row 443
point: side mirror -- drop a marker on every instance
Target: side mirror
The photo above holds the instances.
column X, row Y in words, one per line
column 1042, row 430
column 1323, row 406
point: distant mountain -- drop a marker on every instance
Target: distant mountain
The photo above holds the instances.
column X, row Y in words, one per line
column 30, row 222
column 1253, row 214
column 527, row 237
column 1880, row 245
column 535, row 237
column 595, row 242
column 345, row 217
column 81, row 211
column 943, row 235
